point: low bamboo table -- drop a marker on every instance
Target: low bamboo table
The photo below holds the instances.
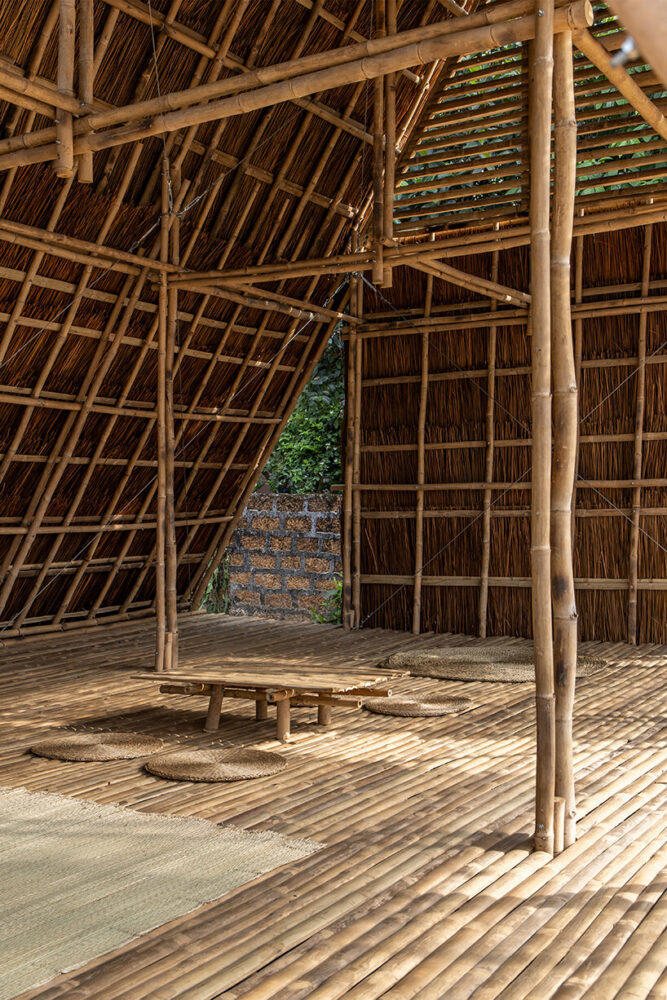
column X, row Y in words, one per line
column 317, row 689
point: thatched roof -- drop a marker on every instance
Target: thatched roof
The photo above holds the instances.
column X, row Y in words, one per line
column 284, row 183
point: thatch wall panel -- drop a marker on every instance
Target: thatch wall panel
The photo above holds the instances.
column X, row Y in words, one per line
column 456, row 411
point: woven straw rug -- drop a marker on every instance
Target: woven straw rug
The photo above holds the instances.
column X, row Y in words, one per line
column 80, row 879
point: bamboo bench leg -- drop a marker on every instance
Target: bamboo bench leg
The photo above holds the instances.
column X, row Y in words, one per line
column 324, row 715
column 283, row 719
column 214, row 706
column 261, row 710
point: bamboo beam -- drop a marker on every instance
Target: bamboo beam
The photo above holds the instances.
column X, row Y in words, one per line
column 541, row 84
column 86, row 76
column 481, row 286
column 488, row 466
column 638, row 443
column 621, row 79
column 356, row 290
column 421, row 464
column 65, row 134
column 428, row 49
column 565, row 424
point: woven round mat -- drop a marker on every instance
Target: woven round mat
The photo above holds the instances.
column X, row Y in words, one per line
column 417, row 706
column 461, row 663
column 216, row 765
column 97, row 746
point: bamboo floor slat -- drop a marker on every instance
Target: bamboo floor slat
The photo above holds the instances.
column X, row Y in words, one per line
column 426, row 886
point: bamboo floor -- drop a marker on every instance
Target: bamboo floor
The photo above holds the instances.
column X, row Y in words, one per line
column 425, row 887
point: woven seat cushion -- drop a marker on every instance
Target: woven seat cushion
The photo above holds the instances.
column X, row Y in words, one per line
column 417, row 705
column 478, row 663
column 216, row 765
column 96, row 746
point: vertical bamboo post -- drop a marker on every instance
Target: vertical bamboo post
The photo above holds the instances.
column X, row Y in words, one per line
column 488, row 471
column 578, row 350
column 639, row 436
column 421, row 466
column 161, row 656
column 348, row 612
column 64, row 130
column 378, row 155
column 356, row 465
column 389, row 148
column 171, row 554
column 86, row 77
column 541, row 82
column 565, row 422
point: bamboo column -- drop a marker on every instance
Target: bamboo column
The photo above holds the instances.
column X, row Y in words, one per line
column 488, row 472
column 378, row 155
column 578, row 351
column 171, row 554
column 64, row 121
column 421, row 455
column 541, row 85
column 565, row 423
column 356, row 464
column 161, row 655
column 389, row 149
column 639, row 436
column 348, row 612
column 86, row 77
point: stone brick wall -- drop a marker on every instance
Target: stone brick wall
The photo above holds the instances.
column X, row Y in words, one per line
column 285, row 555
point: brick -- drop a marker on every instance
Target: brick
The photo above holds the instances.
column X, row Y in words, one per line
column 325, row 583
column 315, row 564
column 252, row 541
column 329, row 523
column 310, row 601
column 331, row 545
column 290, row 562
column 236, row 559
column 280, row 543
column 237, row 579
column 261, row 501
column 278, row 601
column 246, row 597
column 271, row 581
column 261, row 560
column 290, row 503
column 298, row 524
column 323, row 502
column 264, row 523
column 297, row 582
column 307, row 544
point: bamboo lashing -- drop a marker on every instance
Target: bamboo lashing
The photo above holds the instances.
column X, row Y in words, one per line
column 86, row 77
column 541, row 84
column 565, row 423
column 638, row 445
column 64, row 129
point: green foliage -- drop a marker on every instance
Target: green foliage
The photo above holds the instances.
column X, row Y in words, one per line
column 332, row 606
column 307, row 456
column 216, row 599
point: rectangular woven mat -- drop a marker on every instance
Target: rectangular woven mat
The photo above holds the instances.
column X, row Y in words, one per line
column 80, row 879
